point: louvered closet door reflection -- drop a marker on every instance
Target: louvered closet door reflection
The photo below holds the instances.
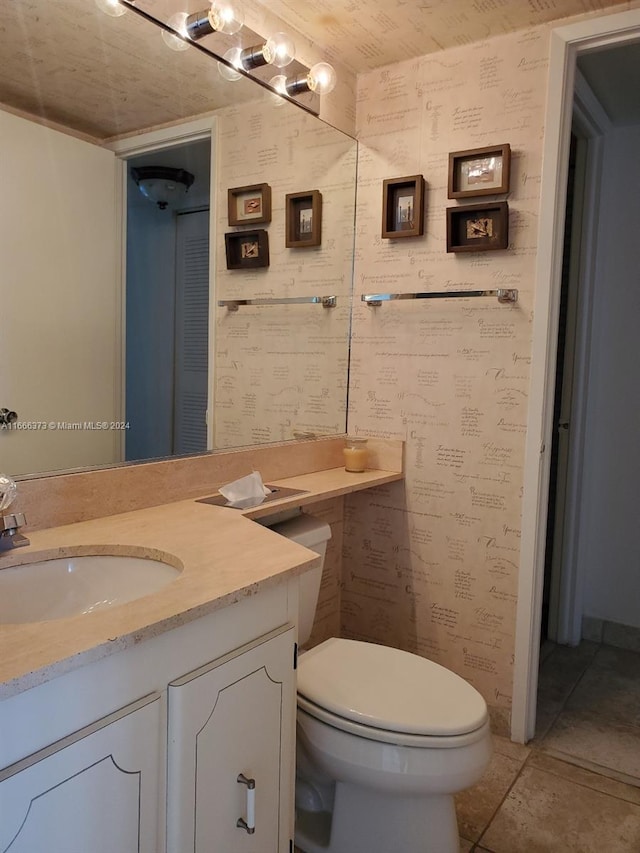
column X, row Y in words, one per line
column 191, row 332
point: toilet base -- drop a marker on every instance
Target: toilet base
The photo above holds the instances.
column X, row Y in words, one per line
column 368, row 821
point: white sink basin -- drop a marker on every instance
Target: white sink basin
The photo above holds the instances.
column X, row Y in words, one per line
column 71, row 586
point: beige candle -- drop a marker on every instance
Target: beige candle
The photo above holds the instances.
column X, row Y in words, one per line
column 355, row 454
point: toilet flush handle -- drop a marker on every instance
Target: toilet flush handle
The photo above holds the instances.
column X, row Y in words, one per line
column 249, row 825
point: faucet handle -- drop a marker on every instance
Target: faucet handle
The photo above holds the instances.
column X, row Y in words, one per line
column 9, row 536
column 8, row 491
column 9, row 523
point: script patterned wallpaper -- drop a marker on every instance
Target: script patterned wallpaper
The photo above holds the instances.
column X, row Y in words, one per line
column 282, row 370
column 432, row 565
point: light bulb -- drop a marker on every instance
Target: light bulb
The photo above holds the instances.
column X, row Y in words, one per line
column 279, row 50
column 177, row 22
column 279, row 85
column 224, row 17
column 111, row 7
column 322, row 78
column 233, row 57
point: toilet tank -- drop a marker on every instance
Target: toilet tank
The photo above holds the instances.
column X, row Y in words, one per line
column 313, row 534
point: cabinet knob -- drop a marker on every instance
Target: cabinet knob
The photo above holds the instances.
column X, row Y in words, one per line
column 249, row 825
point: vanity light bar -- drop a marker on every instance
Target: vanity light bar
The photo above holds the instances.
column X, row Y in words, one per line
column 504, row 296
column 234, row 304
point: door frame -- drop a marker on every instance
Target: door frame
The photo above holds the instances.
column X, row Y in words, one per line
column 156, row 140
column 590, row 124
column 565, row 45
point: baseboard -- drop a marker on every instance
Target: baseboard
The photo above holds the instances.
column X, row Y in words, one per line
column 611, row 633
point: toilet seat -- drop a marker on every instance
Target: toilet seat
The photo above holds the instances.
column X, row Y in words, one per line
column 389, row 737
column 388, row 695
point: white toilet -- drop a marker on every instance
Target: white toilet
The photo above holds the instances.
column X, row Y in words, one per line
column 384, row 738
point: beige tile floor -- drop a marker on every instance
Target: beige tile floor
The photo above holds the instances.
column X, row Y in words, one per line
column 576, row 787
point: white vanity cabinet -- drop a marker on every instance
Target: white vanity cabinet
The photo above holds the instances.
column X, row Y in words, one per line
column 96, row 790
column 140, row 750
column 230, row 757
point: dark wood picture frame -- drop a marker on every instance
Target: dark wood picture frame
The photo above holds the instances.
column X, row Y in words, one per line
column 249, row 205
column 303, row 219
column 247, row 249
column 403, row 207
column 479, row 171
column 478, row 227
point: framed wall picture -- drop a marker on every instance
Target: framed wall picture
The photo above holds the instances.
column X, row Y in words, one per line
column 479, row 171
column 478, row 227
column 403, row 207
column 249, row 205
column 247, row 249
column 303, row 222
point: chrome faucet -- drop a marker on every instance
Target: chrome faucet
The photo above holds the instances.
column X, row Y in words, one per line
column 11, row 522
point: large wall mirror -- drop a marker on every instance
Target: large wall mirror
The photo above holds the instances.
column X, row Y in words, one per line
column 114, row 347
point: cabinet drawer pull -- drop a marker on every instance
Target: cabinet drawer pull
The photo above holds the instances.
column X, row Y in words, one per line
column 249, row 825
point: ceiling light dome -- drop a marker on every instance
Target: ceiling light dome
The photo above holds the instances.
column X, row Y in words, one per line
column 162, row 184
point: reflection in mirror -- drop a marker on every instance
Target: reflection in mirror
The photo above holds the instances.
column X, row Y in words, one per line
column 167, row 305
column 113, row 346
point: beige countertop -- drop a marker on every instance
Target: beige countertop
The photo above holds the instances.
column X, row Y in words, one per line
column 321, row 485
column 223, row 556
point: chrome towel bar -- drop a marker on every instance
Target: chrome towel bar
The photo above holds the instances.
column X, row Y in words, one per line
column 234, row 304
column 504, row 296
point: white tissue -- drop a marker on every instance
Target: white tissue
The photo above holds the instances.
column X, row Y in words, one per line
column 245, row 492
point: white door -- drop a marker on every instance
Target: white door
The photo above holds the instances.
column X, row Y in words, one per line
column 96, row 791
column 60, row 317
column 230, row 721
column 558, row 627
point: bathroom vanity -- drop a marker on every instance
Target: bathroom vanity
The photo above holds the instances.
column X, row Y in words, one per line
column 85, row 751
column 166, row 722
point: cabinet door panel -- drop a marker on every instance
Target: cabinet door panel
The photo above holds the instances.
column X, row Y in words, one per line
column 232, row 719
column 94, row 792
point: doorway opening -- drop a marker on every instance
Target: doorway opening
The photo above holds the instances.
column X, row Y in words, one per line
column 167, row 309
column 586, row 39
column 594, row 347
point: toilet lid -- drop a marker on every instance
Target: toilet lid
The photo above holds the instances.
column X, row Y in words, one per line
column 389, row 689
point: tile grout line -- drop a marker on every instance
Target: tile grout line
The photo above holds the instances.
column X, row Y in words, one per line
column 500, row 804
column 582, row 675
column 556, row 753
column 563, row 706
column 538, row 749
column 532, row 750
column 556, row 757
